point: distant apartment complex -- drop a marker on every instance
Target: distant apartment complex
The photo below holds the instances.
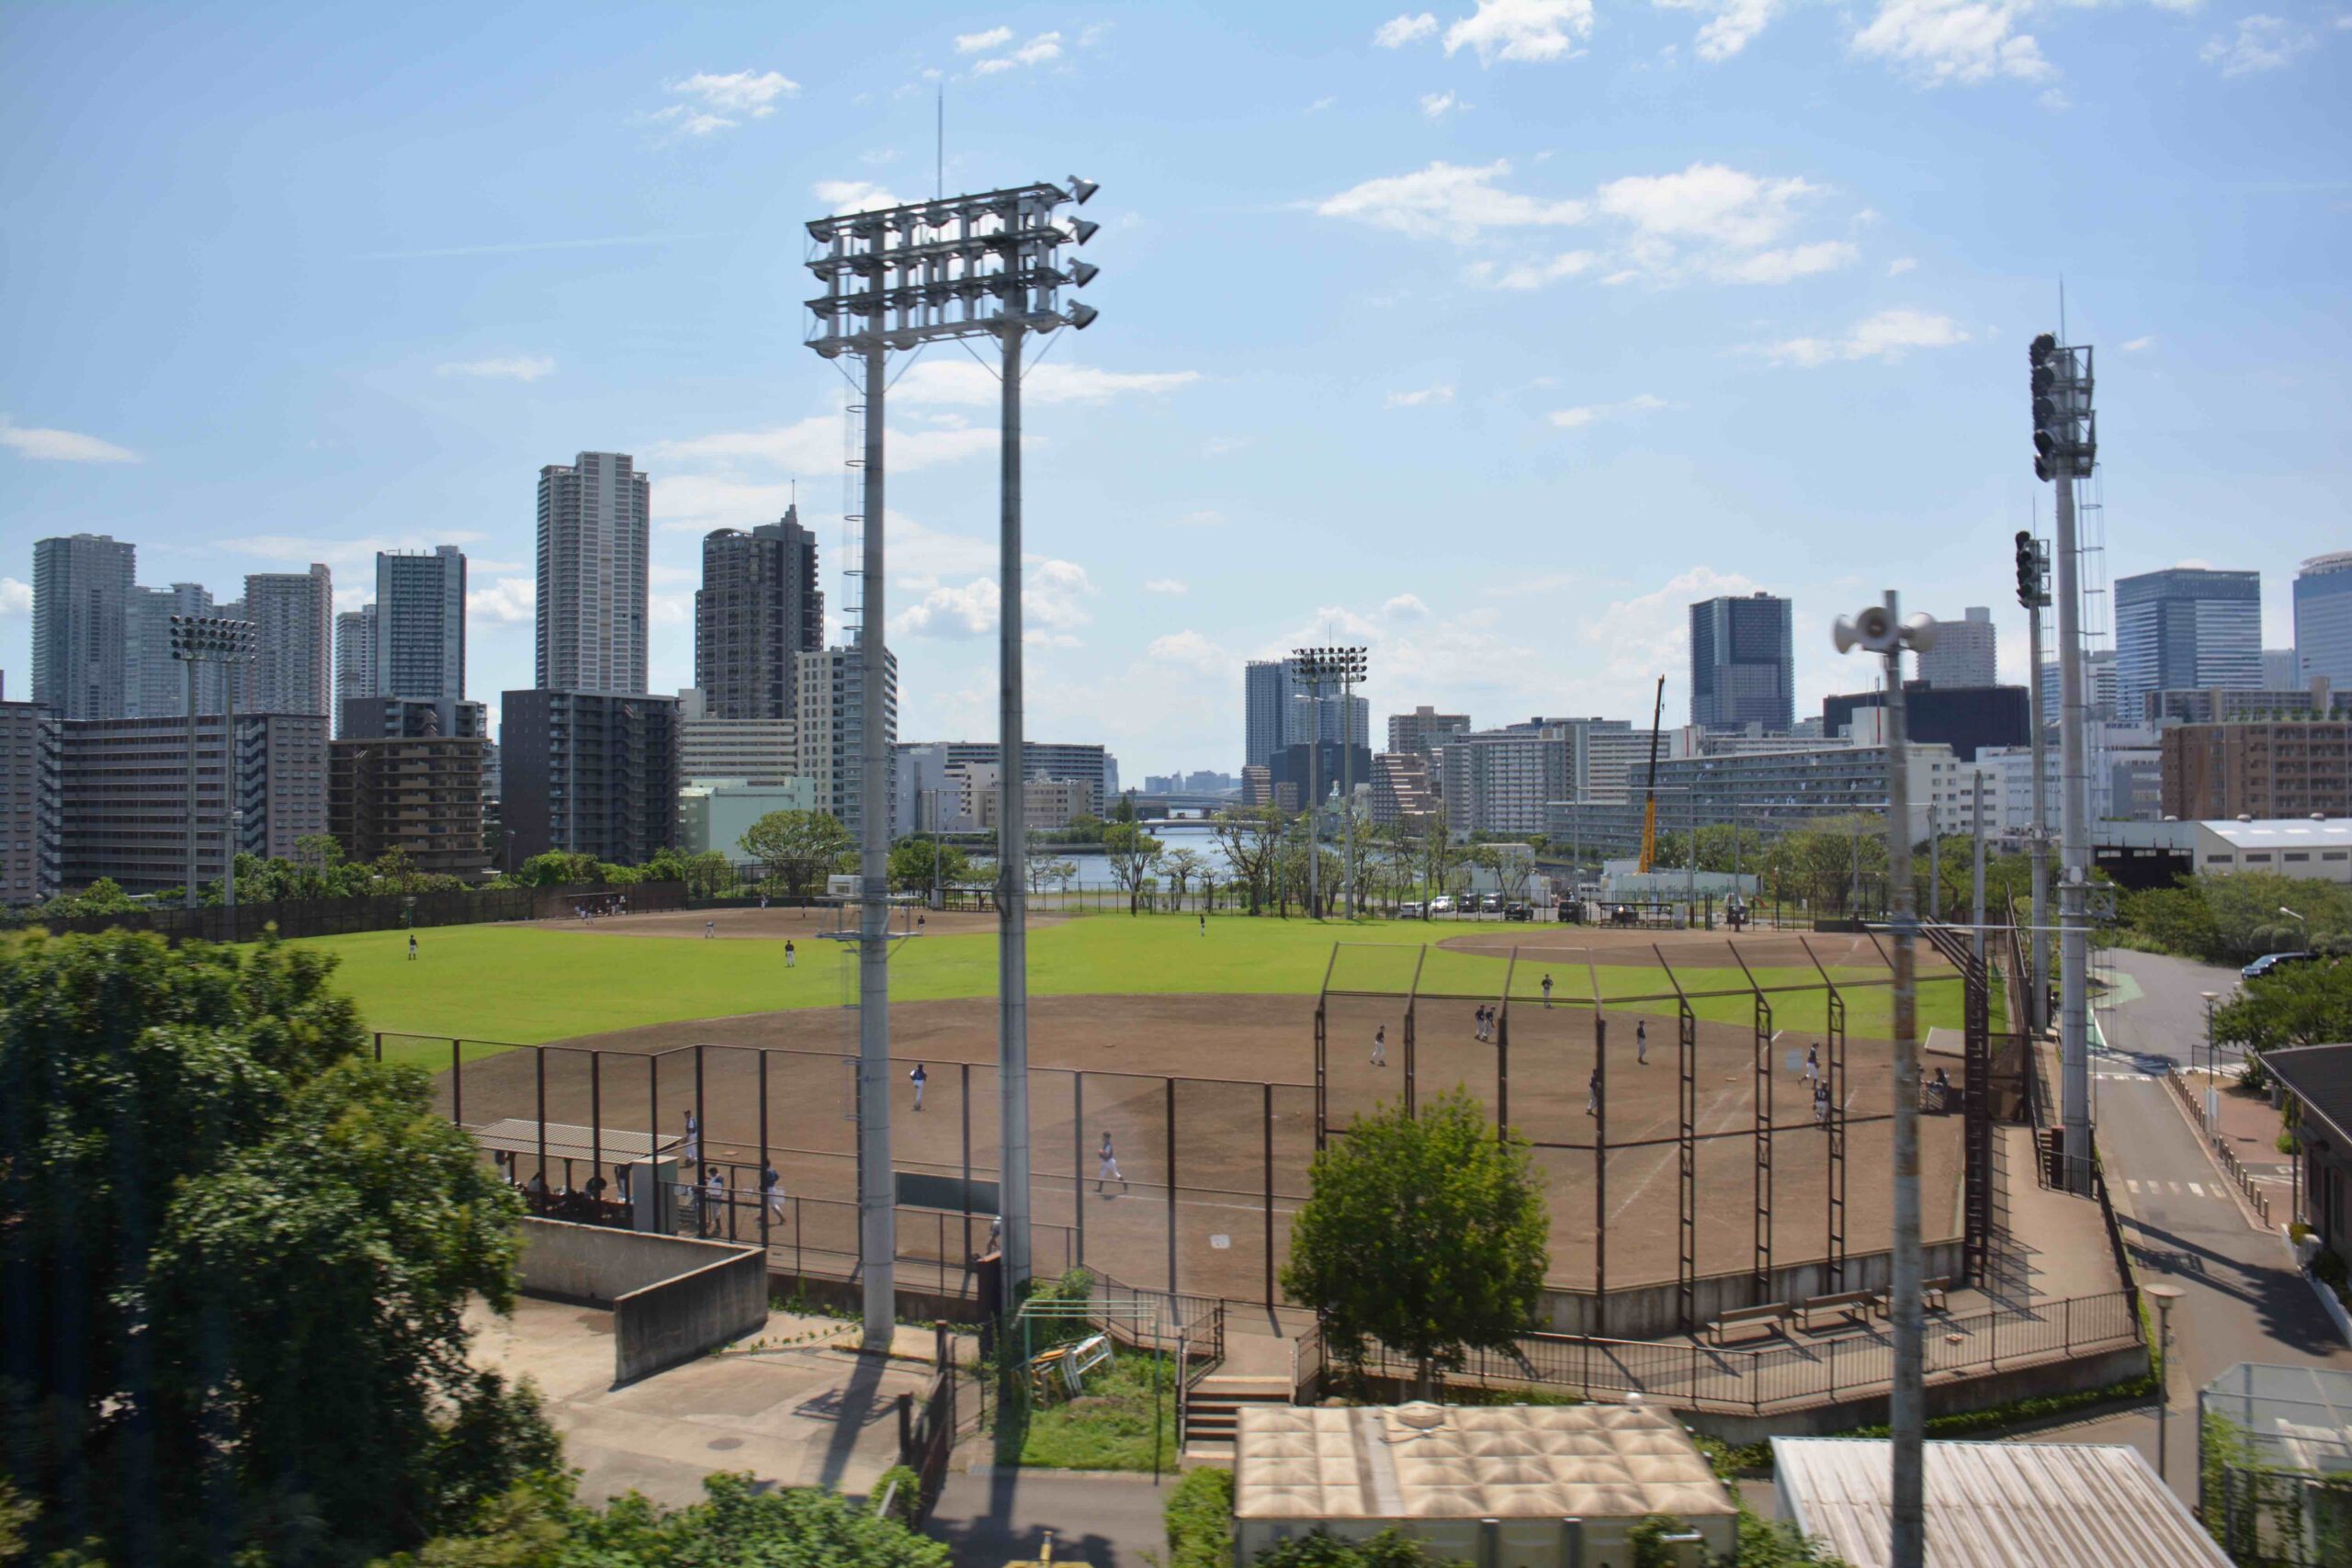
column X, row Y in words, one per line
column 81, row 586
column 759, row 609
column 31, row 844
column 593, row 522
column 293, row 617
column 354, row 657
column 1424, row 729
column 1401, row 789
column 155, row 683
column 589, row 773
column 420, row 623
column 1966, row 652
column 1769, row 791
column 408, row 777
column 1743, row 663
column 1501, row 781
column 123, row 783
column 937, row 780
column 2259, row 770
column 832, row 727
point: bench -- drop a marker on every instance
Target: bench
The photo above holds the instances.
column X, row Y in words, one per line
column 1775, row 1314
column 1852, row 1303
column 1931, row 1294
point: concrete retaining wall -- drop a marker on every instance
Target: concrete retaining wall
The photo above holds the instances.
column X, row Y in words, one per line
column 672, row 1298
column 1653, row 1312
column 1945, row 1396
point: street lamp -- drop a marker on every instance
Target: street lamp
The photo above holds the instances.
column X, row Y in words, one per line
column 1317, row 665
column 2212, row 1068
column 978, row 266
column 214, row 639
column 2300, row 921
column 1878, row 630
column 2164, row 1296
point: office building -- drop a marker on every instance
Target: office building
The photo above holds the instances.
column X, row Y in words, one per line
column 1424, row 729
column 124, row 785
column 2098, row 688
column 1268, row 684
column 1771, row 792
column 1208, row 781
column 924, row 767
column 1743, row 663
column 156, row 683
column 1965, row 654
column 1963, row 717
column 30, row 805
column 757, row 610
column 1499, row 781
column 594, row 516
column 2218, row 704
column 2295, row 769
column 2185, row 626
column 715, row 814
column 833, row 728
column 588, row 772
column 408, row 776
column 1401, row 790
column 354, row 657
column 420, row 623
column 2279, row 668
column 81, row 586
column 2323, row 619
column 293, row 617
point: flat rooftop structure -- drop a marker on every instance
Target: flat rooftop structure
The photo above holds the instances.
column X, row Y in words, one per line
column 2295, row 1418
column 520, row 1135
column 1993, row 1505
column 1544, row 1473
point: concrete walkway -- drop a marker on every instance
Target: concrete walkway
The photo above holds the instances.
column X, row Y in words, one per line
column 993, row 1515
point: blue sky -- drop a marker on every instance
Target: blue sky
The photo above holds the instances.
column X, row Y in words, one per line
column 1491, row 334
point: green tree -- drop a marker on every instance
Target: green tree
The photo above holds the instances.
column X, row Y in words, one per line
column 914, row 863
column 800, row 848
column 557, row 868
column 1252, row 838
column 1184, row 867
column 1132, row 852
column 254, row 1250
column 1389, row 1548
column 1429, row 1235
column 2295, row 1004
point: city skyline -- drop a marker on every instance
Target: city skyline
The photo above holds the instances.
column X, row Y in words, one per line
column 1733, row 281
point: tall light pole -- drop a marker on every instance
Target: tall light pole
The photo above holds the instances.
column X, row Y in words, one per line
column 2299, row 920
column 198, row 640
column 1319, row 665
column 2163, row 1295
column 2066, row 443
column 2212, row 1068
column 986, row 264
column 1878, row 630
column 2033, row 593
column 1976, row 870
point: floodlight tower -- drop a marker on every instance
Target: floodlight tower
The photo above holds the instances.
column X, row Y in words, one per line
column 214, row 639
column 1345, row 665
column 2033, row 593
column 2065, row 446
column 983, row 265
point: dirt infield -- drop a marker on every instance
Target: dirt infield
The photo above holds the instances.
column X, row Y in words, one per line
column 1232, row 1076
column 779, row 923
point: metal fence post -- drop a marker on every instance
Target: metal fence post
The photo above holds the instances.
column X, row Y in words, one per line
column 456, row 1086
column 1077, row 1160
column 764, row 1159
column 540, row 1079
column 1266, row 1124
column 1171, row 1085
column 380, row 1045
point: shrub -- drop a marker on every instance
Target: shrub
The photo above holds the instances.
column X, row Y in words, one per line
column 1199, row 1520
column 903, row 1487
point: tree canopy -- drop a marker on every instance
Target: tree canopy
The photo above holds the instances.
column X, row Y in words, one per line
column 1427, row 1233
column 800, row 848
column 236, row 1259
column 2294, row 1004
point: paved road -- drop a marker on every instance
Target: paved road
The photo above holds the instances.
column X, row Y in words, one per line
column 996, row 1515
column 2184, row 1227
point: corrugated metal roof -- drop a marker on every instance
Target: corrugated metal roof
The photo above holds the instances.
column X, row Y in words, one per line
column 1995, row 1504
column 1432, row 1462
column 2273, row 832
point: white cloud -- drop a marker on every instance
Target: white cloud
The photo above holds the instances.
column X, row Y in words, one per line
column 967, row 383
column 1887, row 336
column 2263, row 43
column 1709, row 201
column 1398, row 31
column 1523, row 29
column 1052, row 602
column 15, row 598
column 2054, row 100
column 980, row 43
column 1529, row 275
column 1435, row 105
column 302, row 549
column 852, row 196
column 1174, row 586
column 813, row 445
column 1190, row 650
column 1580, row 417
column 1787, row 265
column 1036, row 51
column 509, row 601
column 1900, row 265
column 1319, row 105
column 1406, row 608
column 2139, row 344
column 1415, row 399
column 713, row 103
column 1731, row 25
column 1968, row 41
column 517, row 367
column 62, row 446
column 1451, row 201
column 1205, row 518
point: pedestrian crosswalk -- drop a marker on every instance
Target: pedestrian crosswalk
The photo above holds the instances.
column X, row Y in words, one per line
column 2153, row 1188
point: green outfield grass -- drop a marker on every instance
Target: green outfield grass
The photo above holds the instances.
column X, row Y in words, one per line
column 520, row 984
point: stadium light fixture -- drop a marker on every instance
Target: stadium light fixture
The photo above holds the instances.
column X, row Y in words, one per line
column 1318, row 666
column 214, row 639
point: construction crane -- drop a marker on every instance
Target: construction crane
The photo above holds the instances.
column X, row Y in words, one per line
column 1649, row 790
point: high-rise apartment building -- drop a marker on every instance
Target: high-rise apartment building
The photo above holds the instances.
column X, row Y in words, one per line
column 2299, row 768
column 30, row 805
column 757, row 610
column 922, row 788
column 81, row 585
column 1424, row 729
column 420, row 623
column 1966, row 653
column 408, row 777
column 2098, row 688
column 588, row 772
column 833, row 728
column 1401, row 790
column 2324, row 618
column 293, row 617
column 594, row 517
column 1743, row 663
column 1329, row 716
column 123, row 783
column 155, row 682
column 354, row 657
column 1268, row 684
column 1500, row 781
column 2185, row 626
column 2281, row 670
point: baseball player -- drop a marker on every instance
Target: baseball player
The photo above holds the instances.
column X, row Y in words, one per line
column 1813, row 1066
column 1642, row 1043
column 692, row 1154
column 1547, row 990
column 1380, row 1047
column 772, row 1191
column 1592, row 1094
column 1109, row 1168
column 919, row 1078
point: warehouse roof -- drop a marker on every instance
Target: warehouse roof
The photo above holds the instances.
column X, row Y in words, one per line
column 1435, row 1461
column 2320, row 1077
column 1993, row 1505
column 2281, row 833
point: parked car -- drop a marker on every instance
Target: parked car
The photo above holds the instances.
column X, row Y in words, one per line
column 1518, row 913
column 2271, row 962
column 1441, row 905
column 1492, row 903
column 1410, row 909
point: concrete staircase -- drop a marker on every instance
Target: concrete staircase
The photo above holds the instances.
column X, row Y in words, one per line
column 1213, row 1418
